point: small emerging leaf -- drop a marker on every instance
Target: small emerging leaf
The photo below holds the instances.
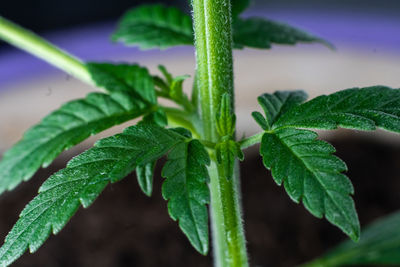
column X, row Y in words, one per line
column 168, row 76
column 226, row 119
column 262, row 33
column 227, row 151
column 176, row 90
column 187, row 192
column 151, row 26
column 311, row 174
column 172, row 88
column 361, row 109
column 85, row 177
column 71, row 124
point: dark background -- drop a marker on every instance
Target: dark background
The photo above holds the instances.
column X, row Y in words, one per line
column 125, row 228
column 45, row 15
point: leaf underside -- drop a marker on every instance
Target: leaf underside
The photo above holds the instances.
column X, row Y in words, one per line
column 72, row 123
column 157, row 26
column 187, row 192
column 362, row 109
column 311, row 174
column 80, row 183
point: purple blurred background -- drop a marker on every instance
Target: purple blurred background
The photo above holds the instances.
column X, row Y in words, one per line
column 367, row 25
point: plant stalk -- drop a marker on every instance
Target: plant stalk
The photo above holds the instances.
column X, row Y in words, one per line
column 213, row 41
column 33, row 44
column 214, row 73
column 214, row 76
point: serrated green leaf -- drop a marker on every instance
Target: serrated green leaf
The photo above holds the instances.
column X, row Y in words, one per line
column 182, row 131
column 361, row 109
column 151, row 26
column 86, row 175
column 311, row 174
column 226, row 152
column 276, row 104
column 127, row 78
column 238, row 6
column 379, row 245
column 262, row 33
column 72, row 123
column 176, row 90
column 157, row 117
column 187, row 192
column 157, row 26
column 145, row 172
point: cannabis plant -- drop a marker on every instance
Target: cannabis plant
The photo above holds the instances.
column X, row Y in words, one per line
column 197, row 135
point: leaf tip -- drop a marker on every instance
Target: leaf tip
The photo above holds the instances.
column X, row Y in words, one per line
column 201, row 246
column 327, row 44
column 204, row 250
column 259, row 118
column 355, row 233
column 148, row 193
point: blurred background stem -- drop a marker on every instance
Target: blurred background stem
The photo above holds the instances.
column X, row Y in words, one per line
column 33, row 44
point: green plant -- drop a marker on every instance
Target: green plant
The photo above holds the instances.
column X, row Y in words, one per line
column 202, row 150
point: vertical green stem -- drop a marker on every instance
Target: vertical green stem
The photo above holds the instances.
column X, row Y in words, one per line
column 214, row 75
column 228, row 236
column 30, row 42
column 213, row 35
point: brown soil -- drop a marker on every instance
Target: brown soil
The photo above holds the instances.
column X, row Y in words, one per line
column 126, row 228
